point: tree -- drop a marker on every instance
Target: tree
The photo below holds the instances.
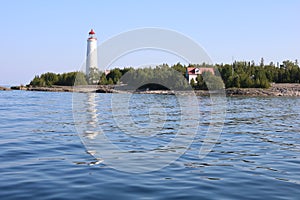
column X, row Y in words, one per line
column 103, row 80
column 180, row 68
column 214, row 82
column 262, row 64
column 193, row 83
column 50, row 78
column 115, row 75
column 236, row 81
column 38, row 82
column 80, row 79
column 94, row 76
column 35, row 81
column 110, row 81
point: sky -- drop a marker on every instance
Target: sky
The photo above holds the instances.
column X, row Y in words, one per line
column 40, row 36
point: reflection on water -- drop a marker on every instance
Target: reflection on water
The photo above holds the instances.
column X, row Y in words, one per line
column 92, row 120
column 87, row 122
column 145, row 132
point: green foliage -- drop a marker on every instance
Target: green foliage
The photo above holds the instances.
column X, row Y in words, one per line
column 238, row 74
column 38, row 81
column 247, row 74
column 193, row 84
column 94, row 76
column 80, row 78
column 110, row 81
column 114, row 75
column 209, row 81
column 160, row 77
column 200, row 83
column 180, row 68
column 213, row 82
column 103, row 80
column 49, row 78
column 65, row 79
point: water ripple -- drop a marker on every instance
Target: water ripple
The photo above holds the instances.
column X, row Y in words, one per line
column 42, row 157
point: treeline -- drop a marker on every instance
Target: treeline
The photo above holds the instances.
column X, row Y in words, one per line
column 160, row 77
column 157, row 78
column 247, row 74
column 65, row 79
column 114, row 76
column 238, row 74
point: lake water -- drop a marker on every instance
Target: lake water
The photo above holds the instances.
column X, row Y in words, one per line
column 43, row 155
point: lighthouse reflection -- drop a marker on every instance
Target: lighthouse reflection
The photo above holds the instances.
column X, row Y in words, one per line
column 91, row 112
column 89, row 122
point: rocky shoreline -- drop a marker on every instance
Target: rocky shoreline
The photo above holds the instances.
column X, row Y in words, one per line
column 286, row 89
column 4, row 88
column 282, row 89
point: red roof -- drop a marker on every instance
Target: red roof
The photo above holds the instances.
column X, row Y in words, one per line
column 192, row 70
column 92, row 32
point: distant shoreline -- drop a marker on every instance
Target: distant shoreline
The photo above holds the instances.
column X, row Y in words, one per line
column 4, row 88
column 276, row 89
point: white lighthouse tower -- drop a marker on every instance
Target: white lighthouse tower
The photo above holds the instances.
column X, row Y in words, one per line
column 91, row 56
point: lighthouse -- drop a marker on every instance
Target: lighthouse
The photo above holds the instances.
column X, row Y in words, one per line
column 91, row 56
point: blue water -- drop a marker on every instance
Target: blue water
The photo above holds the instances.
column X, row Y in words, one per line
column 43, row 157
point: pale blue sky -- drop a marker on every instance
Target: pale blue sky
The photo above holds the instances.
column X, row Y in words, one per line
column 39, row 36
